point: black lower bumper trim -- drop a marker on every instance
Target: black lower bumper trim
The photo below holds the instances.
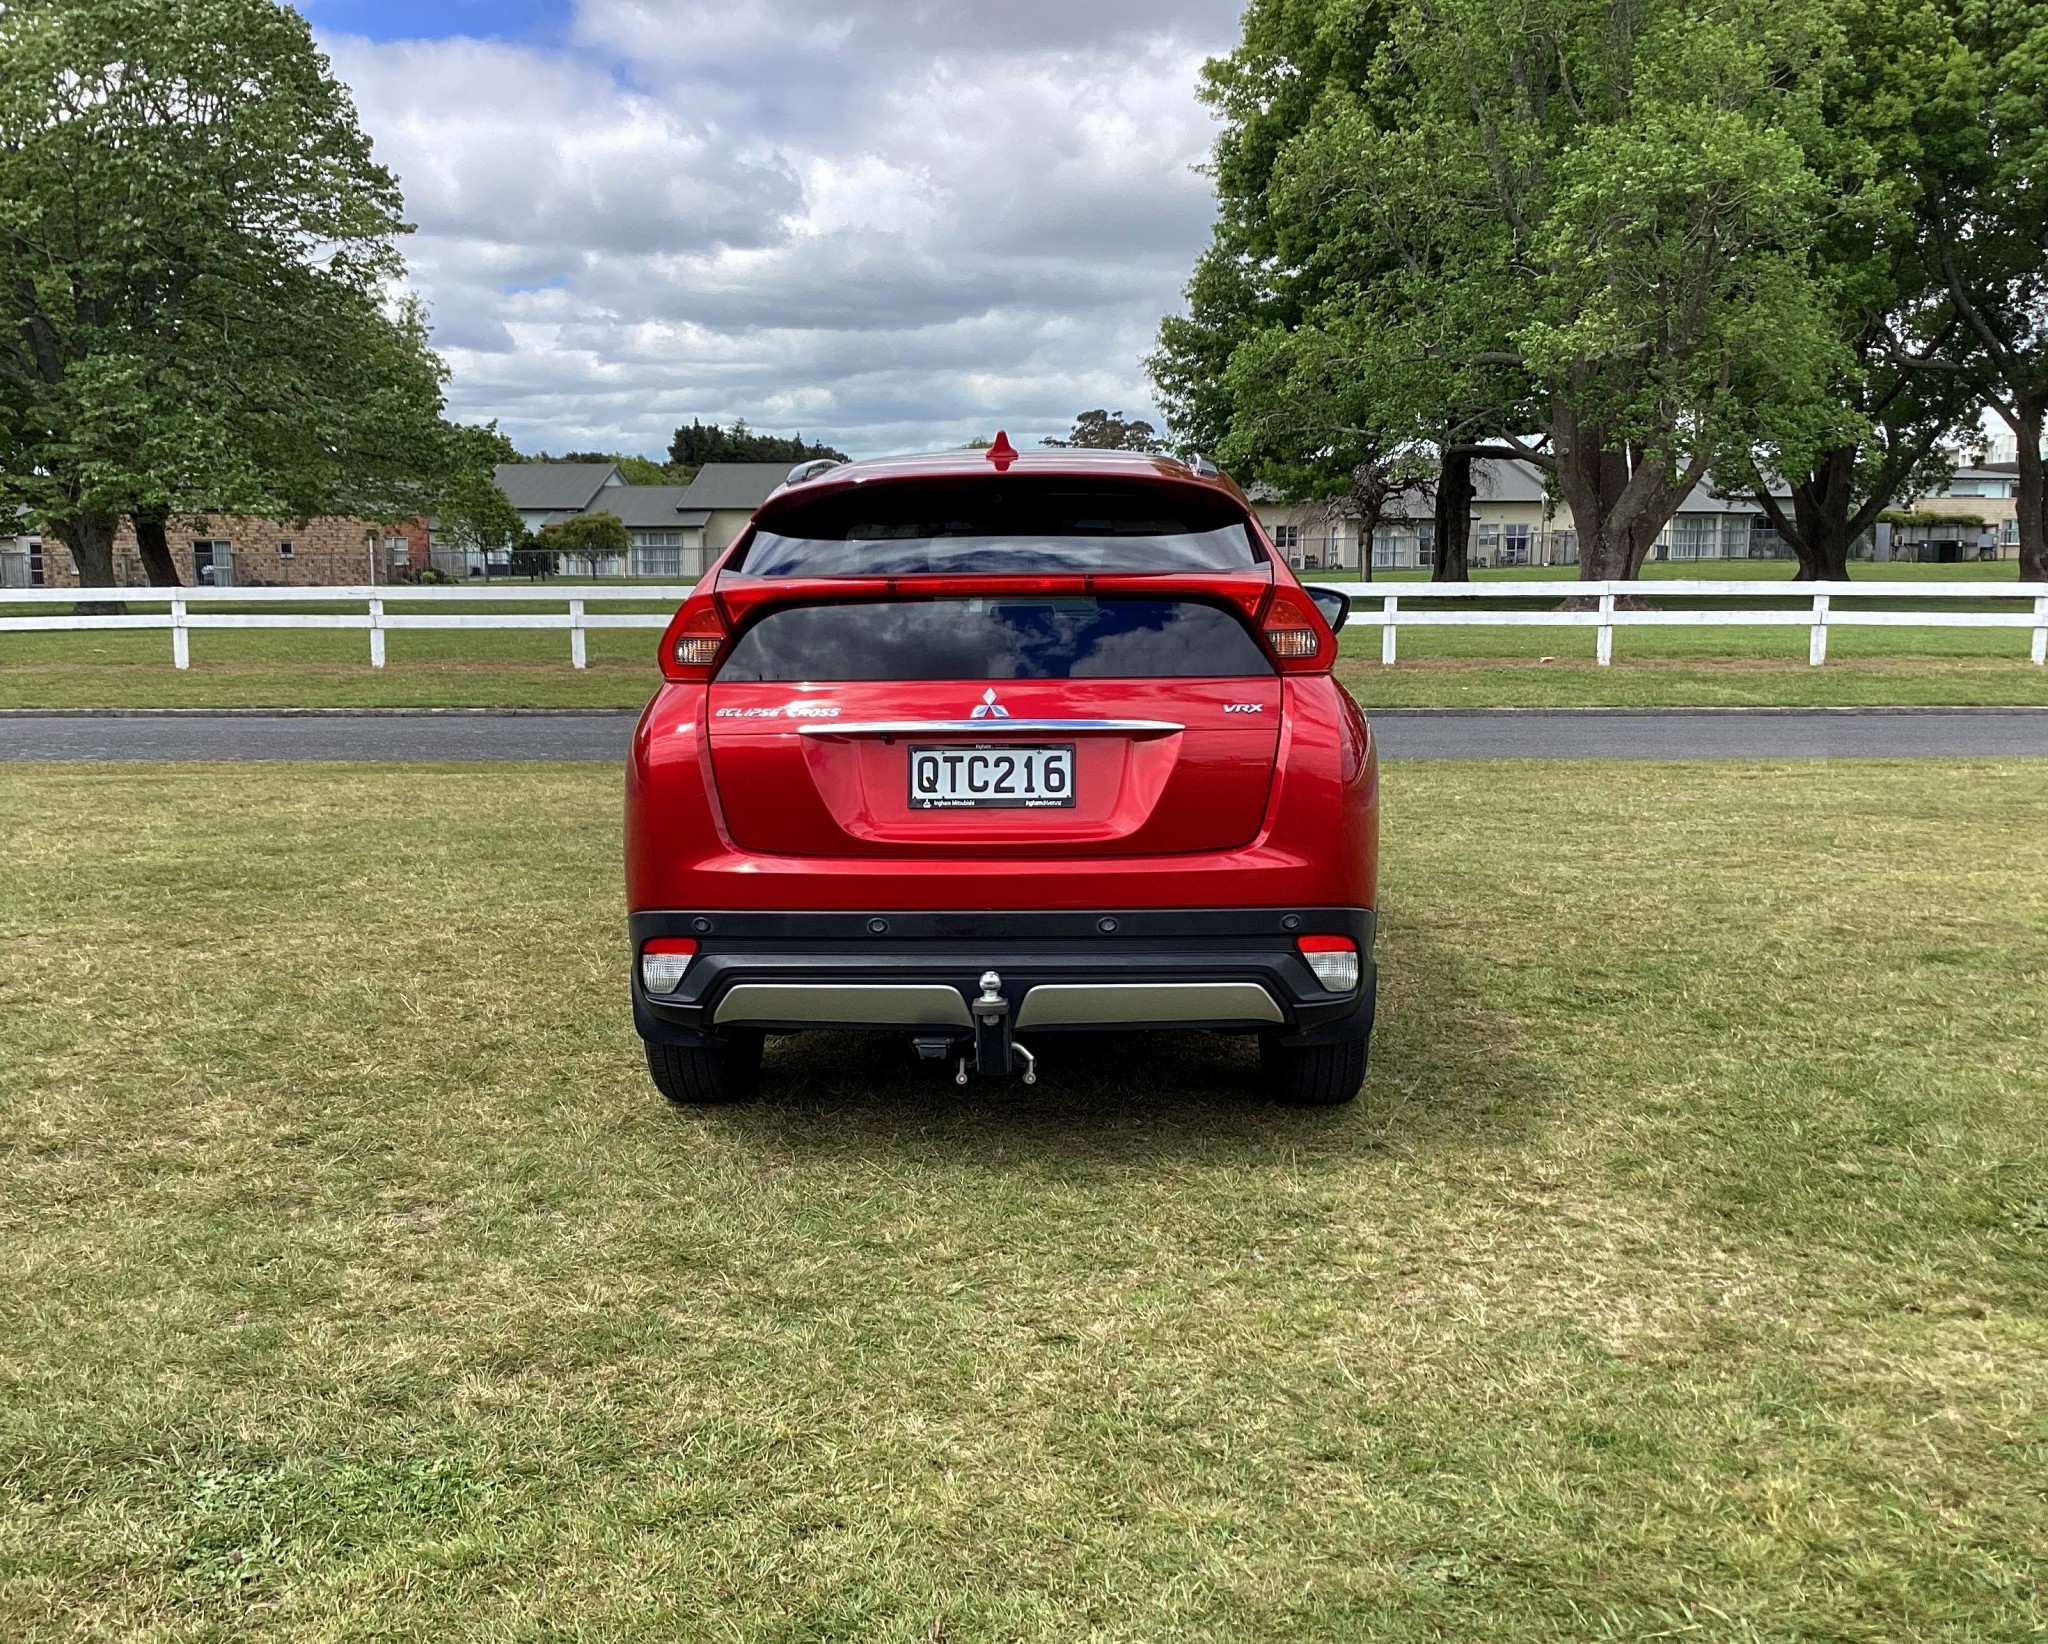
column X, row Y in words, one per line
column 1178, row 954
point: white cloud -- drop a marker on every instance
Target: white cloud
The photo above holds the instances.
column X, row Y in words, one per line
column 889, row 226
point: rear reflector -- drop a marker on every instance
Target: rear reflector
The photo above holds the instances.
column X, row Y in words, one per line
column 663, row 961
column 1334, row 959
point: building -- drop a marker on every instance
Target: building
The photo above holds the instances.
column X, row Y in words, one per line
column 675, row 531
column 1516, row 522
column 1974, row 516
column 234, row 551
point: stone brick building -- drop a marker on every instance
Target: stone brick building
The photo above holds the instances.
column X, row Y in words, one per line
column 254, row 553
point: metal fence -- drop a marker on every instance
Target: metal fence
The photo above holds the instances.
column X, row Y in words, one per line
column 1601, row 606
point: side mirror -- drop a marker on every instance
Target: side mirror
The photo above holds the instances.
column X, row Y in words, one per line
column 1334, row 604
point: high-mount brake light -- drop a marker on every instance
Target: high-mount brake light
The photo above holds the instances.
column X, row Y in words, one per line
column 1334, row 959
column 663, row 961
column 1291, row 630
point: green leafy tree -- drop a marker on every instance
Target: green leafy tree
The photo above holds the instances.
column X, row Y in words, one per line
column 1108, row 431
column 1598, row 218
column 591, row 538
column 1982, row 203
column 470, row 511
column 195, row 253
column 698, row 444
column 1907, row 381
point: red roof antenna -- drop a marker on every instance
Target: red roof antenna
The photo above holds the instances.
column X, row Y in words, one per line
column 1002, row 453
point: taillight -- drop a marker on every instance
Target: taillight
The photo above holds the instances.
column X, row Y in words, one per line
column 663, row 961
column 694, row 641
column 1334, row 959
column 1293, row 631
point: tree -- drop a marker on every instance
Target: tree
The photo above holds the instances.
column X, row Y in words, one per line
column 470, row 511
column 1596, row 215
column 591, row 538
column 1108, row 431
column 698, row 444
column 1982, row 202
column 195, row 252
column 1907, row 383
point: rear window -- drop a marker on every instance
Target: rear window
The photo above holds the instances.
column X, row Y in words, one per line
column 1006, row 526
column 1022, row 636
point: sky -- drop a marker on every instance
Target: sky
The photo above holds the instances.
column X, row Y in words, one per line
column 890, row 226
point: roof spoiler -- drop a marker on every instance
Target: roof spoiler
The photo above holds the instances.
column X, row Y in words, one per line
column 812, row 469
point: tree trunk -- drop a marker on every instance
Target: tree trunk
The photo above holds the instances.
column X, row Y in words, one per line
column 1453, row 517
column 1818, row 533
column 89, row 534
column 155, row 546
column 1619, row 502
column 2030, row 501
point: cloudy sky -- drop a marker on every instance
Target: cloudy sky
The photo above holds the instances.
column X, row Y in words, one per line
column 891, row 226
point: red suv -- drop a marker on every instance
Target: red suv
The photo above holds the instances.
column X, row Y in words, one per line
column 983, row 747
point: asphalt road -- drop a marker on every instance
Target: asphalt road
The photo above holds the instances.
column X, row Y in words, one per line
column 1533, row 733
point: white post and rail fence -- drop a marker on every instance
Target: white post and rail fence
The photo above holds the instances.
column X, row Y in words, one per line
column 1601, row 606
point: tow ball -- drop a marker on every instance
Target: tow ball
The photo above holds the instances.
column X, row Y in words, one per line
column 995, row 1052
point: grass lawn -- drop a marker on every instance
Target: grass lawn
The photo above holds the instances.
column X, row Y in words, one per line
column 1681, row 1273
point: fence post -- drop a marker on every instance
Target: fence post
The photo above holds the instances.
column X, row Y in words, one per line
column 2041, row 631
column 1603, row 650
column 376, row 633
column 181, row 636
column 1390, row 606
column 1817, row 645
column 577, row 656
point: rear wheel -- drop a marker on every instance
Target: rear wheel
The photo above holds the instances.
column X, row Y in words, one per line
column 730, row 1072
column 1312, row 1075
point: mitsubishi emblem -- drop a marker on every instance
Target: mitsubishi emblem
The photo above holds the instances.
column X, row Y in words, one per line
column 988, row 707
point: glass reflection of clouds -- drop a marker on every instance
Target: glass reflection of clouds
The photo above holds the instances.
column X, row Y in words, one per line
column 890, row 555
column 1007, row 637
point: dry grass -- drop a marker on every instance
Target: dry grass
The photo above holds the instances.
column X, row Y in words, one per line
column 1681, row 1273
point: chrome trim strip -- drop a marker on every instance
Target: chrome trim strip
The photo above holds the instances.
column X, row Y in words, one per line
column 987, row 727
column 1062, row 1004
column 878, row 1004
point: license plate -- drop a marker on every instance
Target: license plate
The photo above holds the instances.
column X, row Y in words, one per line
column 956, row 778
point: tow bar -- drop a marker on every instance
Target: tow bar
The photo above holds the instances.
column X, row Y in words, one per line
column 993, row 1046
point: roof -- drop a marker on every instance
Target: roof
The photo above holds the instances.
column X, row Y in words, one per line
column 1505, row 479
column 560, row 487
column 649, row 507
column 736, row 484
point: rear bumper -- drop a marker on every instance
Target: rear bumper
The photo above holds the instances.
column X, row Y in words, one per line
column 1236, row 969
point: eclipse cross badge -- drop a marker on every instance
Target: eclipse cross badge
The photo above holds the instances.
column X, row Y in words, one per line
column 988, row 707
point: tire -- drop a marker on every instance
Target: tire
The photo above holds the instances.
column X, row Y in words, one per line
column 698, row 1078
column 1312, row 1075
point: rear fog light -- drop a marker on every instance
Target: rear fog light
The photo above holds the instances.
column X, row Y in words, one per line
column 663, row 961
column 1334, row 959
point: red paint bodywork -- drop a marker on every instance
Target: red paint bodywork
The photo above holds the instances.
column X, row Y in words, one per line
column 1248, row 806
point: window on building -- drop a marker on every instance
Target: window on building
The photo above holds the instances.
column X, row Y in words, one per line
column 1489, row 544
column 1287, row 538
column 213, row 563
column 284, row 548
column 2012, row 531
column 1514, row 545
column 397, row 551
column 651, row 561
column 658, row 539
column 1696, row 536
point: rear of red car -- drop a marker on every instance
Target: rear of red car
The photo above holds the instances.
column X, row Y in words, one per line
column 977, row 752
